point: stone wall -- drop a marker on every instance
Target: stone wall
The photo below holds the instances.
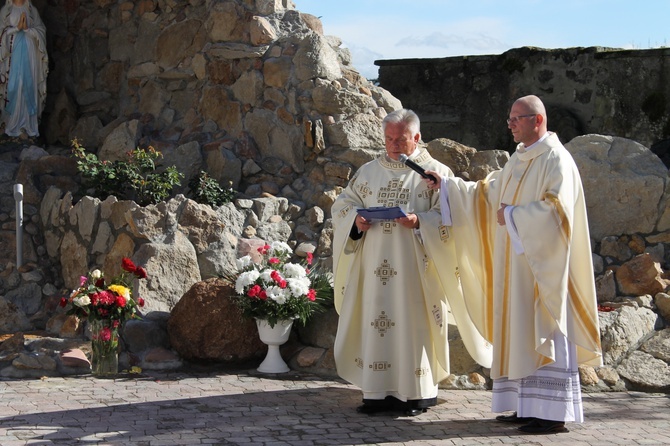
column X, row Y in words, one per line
column 586, row 90
column 250, row 91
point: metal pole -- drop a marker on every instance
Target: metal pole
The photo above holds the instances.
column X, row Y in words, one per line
column 18, row 196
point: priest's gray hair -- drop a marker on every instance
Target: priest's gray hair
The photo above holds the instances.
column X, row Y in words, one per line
column 405, row 116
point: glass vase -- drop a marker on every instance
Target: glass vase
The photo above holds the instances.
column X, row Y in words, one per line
column 104, row 347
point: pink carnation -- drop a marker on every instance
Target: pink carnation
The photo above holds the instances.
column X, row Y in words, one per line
column 105, row 334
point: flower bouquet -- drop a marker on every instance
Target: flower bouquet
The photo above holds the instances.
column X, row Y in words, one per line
column 106, row 305
column 276, row 289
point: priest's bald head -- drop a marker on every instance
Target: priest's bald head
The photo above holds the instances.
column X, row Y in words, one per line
column 527, row 120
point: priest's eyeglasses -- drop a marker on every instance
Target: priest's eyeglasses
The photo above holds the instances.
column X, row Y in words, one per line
column 515, row 119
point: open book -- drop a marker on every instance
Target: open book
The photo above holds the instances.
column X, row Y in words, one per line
column 382, row 213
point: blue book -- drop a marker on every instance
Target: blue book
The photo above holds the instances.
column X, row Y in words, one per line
column 382, row 213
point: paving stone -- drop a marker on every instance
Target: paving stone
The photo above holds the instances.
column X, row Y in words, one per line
column 247, row 408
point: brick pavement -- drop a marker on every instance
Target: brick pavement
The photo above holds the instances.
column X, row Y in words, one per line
column 246, row 408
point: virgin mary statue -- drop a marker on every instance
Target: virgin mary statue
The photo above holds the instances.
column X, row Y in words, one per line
column 24, row 65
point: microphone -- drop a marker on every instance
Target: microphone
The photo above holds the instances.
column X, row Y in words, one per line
column 415, row 167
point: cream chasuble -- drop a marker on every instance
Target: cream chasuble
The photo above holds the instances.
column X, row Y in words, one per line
column 392, row 332
column 523, row 299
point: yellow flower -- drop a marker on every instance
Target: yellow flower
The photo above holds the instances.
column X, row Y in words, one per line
column 120, row 290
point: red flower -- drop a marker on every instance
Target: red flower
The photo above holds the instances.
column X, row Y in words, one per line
column 282, row 284
column 100, row 283
column 310, row 256
column 103, row 298
column 263, row 295
column 120, row 301
column 105, row 334
column 254, row 291
column 264, row 249
column 311, row 294
column 141, row 272
column 128, row 265
column 116, row 323
column 273, row 260
column 63, row 302
column 140, row 302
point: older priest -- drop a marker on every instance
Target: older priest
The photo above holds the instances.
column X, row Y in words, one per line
column 392, row 300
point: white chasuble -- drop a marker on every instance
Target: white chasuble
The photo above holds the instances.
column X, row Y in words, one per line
column 392, row 333
column 524, row 300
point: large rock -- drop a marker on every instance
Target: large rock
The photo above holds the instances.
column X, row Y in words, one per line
column 645, row 372
column 619, row 175
column 640, row 276
column 623, row 330
column 205, row 325
column 12, row 319
column 172, row 269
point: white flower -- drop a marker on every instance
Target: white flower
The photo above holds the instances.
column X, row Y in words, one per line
column 245, row 279
column 280, row 247
column 82, row 300
column 243, row 262
column 266, row 275
column 294, row 270
column 96, row 274
column 277, row 294
column 298, row 286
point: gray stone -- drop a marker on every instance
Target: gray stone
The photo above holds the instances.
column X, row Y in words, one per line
column 633, row 178
column 658, row 345
column 645, row 372
column 174, row 269
column 121, row 139
column 623, row 330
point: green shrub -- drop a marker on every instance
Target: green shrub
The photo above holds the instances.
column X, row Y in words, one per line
column 206, row 190
column 133, row 179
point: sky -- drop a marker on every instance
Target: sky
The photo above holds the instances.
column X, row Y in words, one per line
column 404, row 29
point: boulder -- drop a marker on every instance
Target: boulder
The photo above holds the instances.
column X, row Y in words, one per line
column 206, row 325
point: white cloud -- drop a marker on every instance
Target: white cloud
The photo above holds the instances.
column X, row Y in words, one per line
column 391, row 38
column 362, row 59
column 479, row 42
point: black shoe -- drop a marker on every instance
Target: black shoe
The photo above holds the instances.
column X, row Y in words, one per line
column 414, row 412
column 372, row 408
column 514, row 419
column 538, row 426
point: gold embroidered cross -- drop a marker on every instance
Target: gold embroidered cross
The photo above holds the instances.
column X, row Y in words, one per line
column 364, row 189
column 382, row 324
column 393, row 194
column 385, row 272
